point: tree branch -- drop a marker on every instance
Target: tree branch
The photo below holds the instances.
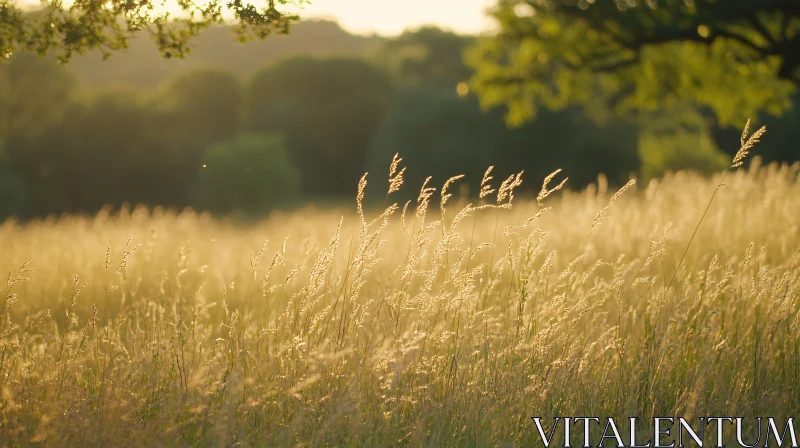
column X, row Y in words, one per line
column 785, row 20
column 762, row 30
column 607, row 67
column 743, row 40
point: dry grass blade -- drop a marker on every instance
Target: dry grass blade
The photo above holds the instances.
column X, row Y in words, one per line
column 602, row 215
column 747, row 143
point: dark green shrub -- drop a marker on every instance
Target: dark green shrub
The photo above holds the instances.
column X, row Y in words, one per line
column 250, row 173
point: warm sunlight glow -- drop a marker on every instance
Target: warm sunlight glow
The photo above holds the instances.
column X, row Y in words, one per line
column 393, row 16
column 386, row 17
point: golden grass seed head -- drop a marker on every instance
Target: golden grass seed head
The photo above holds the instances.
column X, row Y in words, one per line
column 423, row 200
column 395, row 177
column 486, row 188
column 747, row 144
column 395, row 163
column 545, row 192
column 444, row 194
column 515, row 184
column 362, row 186
column 397, row 181
column 506, row 190
column 601, row 216
column 403, row 219
column 425, row 192
column 256, row 259
column 502, row 192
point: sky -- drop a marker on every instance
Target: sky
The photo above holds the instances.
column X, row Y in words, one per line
column 386, row 17
column 391, row 17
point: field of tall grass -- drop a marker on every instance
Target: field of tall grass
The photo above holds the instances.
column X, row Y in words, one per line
column 434, row 323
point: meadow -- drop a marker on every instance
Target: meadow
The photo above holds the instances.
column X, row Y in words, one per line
column 447, row 321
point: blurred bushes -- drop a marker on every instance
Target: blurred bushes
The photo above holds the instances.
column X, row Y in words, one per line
column 442, row 134
column 327, row 110
column 306, row 129
column 33, row 94
column 109, row 149
column 251, row 173
column 202, row 106
column 780, row 144
column 680, row 150
column 681, row 139
column 12, row 188
column 438, row 134
column 427, row 55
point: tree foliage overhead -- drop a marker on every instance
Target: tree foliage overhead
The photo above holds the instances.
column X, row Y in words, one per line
column 108, row 25
column 733, row 56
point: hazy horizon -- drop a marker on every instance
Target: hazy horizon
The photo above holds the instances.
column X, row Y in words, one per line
column 393, row 17
column 389, row 17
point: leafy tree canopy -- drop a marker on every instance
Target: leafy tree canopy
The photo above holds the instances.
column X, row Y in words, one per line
column 734, row 56
column 107, row 26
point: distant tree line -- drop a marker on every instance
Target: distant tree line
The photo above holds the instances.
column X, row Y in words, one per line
column 307, row 128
